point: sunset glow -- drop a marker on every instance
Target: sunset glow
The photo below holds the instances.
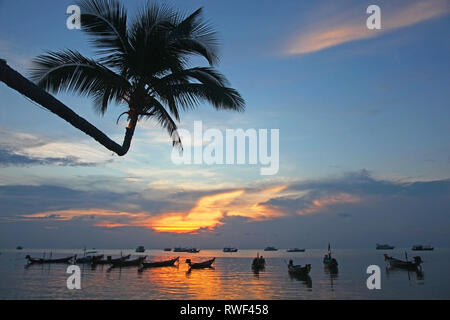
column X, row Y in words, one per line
column 328, row 201
column 207, row 214
column 209, row 211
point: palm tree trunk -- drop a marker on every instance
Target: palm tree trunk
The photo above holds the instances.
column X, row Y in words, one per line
column 16, row 81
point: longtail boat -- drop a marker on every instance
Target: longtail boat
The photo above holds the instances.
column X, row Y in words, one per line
column 329, row 261
column 43, row 260
column 108, row 260
column 384, row 246
column 189, row 250
column 158, row 264
column 200, row 265
column 407, row 265
column 298, row 270
column 88, row 258
column 295, row 250
column 258, row 263
column 128, row 263
column 422, row 248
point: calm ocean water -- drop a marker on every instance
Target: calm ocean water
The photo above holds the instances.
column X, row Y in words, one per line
column 232, row 277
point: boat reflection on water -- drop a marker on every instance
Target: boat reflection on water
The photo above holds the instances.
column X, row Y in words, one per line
column 333, row 273
column 306, row 279
column 392, row 271
column 420, row 275
column 190, row 270
column 256, row 271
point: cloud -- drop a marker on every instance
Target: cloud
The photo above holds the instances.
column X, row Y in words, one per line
column 23, row 149
column 65, row 215
column 328, row 201
column 10, row 158
column 208, row 213
column 298, row 208
column 344, row 28
column 16, row 201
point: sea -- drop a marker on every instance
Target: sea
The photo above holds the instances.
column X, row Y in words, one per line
column 230, row 278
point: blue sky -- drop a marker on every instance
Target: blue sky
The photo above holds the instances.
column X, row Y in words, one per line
column 364, row 108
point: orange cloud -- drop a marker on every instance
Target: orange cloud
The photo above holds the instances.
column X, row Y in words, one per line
column 109, row 225
column 208, row 212
column 253, row 205
column 322, row 203
column 340, row 30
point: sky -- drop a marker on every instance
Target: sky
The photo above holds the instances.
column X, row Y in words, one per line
column 363, row 118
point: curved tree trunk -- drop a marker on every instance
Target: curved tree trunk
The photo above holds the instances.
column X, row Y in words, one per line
column 16, row 81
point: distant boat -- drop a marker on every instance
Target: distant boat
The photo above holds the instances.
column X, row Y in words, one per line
column 270, row 249
column 230, row 250
column 200, row 265
column 19, row 248
column 407, row 265
column 190, row 250
column 167, row 249
column 384, row 247
column 295, row 250
column 328, row 260
column 140, row 249
column 422, row 248
column 298, row 270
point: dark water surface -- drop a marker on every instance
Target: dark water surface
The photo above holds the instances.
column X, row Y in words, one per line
column 232, row 277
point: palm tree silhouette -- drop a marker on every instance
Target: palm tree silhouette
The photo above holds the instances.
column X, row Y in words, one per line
column 143, row 64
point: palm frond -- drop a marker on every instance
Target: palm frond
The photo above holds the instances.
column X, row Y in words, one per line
column 176, row 90
column 189, row 96
column 192, row 35
column 106, row 22
column 201, row 74
column 148, row 39
column 157, row 111
column 70, row 71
